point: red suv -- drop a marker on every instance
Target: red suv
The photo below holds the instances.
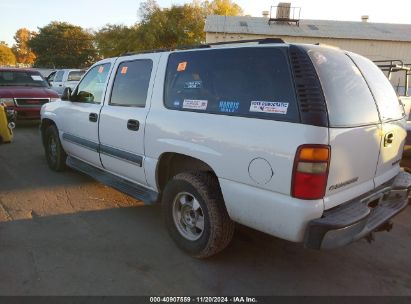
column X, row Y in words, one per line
column 25, row 91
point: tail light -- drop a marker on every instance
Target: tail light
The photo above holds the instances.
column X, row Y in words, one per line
column 310, row 173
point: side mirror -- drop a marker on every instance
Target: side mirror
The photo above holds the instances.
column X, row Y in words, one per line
column 66, row 94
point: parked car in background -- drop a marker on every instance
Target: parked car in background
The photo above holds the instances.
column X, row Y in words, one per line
column 66, row 78
column 25, row 91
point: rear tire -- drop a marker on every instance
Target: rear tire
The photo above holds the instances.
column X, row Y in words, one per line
column 55, row 155
column 195, row 214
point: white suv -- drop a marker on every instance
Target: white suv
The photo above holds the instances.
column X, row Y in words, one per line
column 302, row 142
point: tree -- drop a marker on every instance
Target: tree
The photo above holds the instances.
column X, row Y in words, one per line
column 6, row 55
column 63, row 45
column 179, row 25
column 222, row 7
column 170, row 27
column 21, row 49
column 114, row 40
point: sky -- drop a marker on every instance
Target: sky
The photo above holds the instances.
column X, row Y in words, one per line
column 94, row 14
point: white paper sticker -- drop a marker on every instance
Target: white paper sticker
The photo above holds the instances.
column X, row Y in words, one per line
column 269, row 107
column 193, row 104
column 36, row 78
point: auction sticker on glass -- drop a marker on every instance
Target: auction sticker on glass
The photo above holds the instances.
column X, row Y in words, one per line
column 36, row 78
column 194, row 104
column 269, row 107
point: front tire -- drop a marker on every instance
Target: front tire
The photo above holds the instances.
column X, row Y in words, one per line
column 195, row 214
column 55, row 155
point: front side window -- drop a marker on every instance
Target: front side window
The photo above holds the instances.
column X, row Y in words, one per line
column 59, row 76
column 349, row 100
column 92, row 86
column 384, row 94
column 22, row 78
column 248, row 82
column 131, row 83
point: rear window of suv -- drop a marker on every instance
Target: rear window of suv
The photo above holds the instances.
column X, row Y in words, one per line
column 248, row 82
column 349, row 99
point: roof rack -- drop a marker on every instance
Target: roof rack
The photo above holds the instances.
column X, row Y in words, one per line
column 395, row 65
column 208, row 45
column 260, row 41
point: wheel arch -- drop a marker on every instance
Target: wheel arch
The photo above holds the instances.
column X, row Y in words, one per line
column 45, row 123
column 171, row 163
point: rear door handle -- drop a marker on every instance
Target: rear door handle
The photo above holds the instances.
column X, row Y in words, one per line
column 133, row 125
column 93, row 117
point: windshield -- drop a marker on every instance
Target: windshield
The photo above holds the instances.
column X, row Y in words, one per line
column 22, row 78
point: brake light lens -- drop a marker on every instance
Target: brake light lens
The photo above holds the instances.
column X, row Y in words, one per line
column 310, row 174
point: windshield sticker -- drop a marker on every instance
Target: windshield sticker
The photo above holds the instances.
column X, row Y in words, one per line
column 124, row 70
column 229, row 106
column 182, row 66
column 36, row 78
column 177, row 103
column 101, row 69
column 193, row 84
column 193, row 104
column 269, row 107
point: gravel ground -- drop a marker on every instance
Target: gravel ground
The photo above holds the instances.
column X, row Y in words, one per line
column 65, row 234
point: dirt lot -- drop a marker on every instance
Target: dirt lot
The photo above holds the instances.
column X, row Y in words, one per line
column 64, row 234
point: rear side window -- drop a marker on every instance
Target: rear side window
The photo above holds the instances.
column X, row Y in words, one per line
column 349, row 100
column 75, row 75
column 250, row 82
column 131, row 83
column 384, row 94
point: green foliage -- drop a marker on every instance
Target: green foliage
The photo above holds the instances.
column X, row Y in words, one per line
column 21, row 49
column 168, row 28
column 113, row 40
column 6, row 55
column 179, row 25
column 63, row 45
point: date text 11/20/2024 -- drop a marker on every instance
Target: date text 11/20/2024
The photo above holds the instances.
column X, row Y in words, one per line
column 203, row 300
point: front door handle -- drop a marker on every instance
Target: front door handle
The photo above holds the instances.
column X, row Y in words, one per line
column 93, row 117
column 133, row 125
column 388, row 139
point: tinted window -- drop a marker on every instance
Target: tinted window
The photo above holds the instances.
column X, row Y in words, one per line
column 22, row 78
column 92, row 86
column 384, row 94
column 59, row 76
column 131, row 83
column 75, row 75
column 349, row 100
column 251, row 82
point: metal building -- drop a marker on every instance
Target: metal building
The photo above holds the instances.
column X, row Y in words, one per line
column 377, row 41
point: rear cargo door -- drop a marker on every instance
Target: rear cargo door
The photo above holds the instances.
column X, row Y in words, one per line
column 393, row 127
column 354, row 126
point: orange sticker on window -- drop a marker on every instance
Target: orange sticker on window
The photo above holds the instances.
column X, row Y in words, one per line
column 182, row 66
column 101, row 69
column 124, row 70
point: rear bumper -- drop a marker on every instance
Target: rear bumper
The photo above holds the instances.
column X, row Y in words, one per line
column 360, row 217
